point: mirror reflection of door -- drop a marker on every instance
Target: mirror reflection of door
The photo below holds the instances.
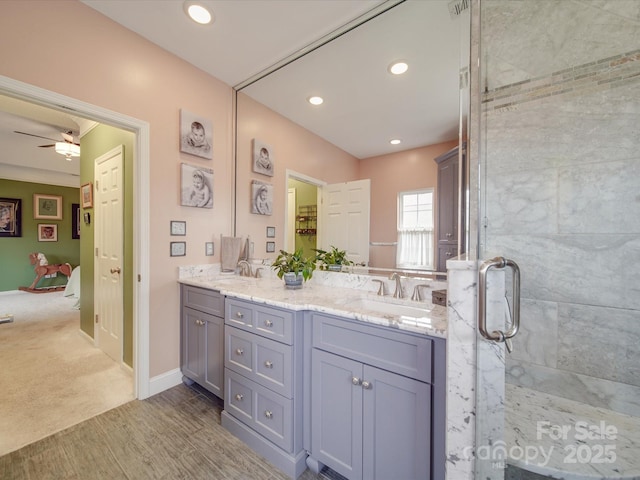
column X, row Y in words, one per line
column 302, row 223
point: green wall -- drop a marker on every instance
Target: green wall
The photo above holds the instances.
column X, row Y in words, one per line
column 306, row 194
column 16, row 269
column 95, row 143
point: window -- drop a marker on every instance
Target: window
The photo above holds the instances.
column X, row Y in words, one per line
column 415, row 230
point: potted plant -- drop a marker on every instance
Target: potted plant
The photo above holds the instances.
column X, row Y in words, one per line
column 294, row 268
column 332, row 260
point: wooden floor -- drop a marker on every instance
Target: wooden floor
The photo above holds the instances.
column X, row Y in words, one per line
column 173, row 435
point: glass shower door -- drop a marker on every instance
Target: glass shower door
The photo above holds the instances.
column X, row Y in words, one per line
column 559, row 167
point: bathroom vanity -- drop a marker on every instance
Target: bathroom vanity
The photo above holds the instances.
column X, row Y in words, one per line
column 325, row 376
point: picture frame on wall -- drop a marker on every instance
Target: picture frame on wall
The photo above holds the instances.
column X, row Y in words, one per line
column 196, row 135
column 271, row 232
column 261, row 198
column 263, row 158
column 178, row 249
column 196, row 186
column 86, row 195
column 271, row 247
column 178, row 227
column 75, row 220
column 47, row 207
column 10, row 217
column 47, row 232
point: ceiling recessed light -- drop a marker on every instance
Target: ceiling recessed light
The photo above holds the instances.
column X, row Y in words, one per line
column 395, row 141
column 398, row 68
column 198, row 13
column 316, row 100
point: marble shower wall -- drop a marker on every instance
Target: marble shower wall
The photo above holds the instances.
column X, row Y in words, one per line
column 561, row 142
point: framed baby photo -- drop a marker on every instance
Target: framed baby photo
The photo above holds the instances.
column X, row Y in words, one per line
column 47, row 232
column 196, row 186
column 10, row 217
column 261, row 198
column 47, row 207
column 263, row 159
column 196, row 135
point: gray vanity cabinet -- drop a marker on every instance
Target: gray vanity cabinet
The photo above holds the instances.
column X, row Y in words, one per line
column 202, row 338
column 263, row 375
column 376, row 401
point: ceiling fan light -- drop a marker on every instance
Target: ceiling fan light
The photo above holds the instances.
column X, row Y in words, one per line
column 67, row 149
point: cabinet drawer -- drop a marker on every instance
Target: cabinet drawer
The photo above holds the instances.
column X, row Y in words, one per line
column 203, row 300
column 261, row 409
column 270, row 322
column 396, row 352
column 264, row 361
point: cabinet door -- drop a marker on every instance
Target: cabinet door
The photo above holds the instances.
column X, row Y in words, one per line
column 336, row 413
column 193, row 346
column 214, row 356
column 396, row 426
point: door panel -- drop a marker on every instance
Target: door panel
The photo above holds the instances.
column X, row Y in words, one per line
column 108, row 218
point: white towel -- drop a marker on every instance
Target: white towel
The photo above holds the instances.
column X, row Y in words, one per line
column 230, row 248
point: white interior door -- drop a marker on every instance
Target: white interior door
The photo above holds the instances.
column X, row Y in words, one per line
column 345, row 218
column 108, row 218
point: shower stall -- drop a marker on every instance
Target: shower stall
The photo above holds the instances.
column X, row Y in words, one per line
column 556, row 173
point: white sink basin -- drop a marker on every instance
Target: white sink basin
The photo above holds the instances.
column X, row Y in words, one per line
column 390, row 308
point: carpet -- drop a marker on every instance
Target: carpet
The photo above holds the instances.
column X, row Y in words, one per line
column 51, row 375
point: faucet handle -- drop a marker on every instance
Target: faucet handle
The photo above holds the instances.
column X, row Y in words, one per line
column 381, row 288
column 416, row 292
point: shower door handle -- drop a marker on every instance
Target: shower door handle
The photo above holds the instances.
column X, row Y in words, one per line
column 498, row 335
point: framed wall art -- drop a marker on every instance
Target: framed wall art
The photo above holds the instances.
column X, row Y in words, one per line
column 196, row 135
column 47, row 207
column 178, row 249
column 178, row 227
column 86, row 195
column 196, row 186
column 261, row 198
column 75, row 220
column 263, row 161
column 271, row 247
column 47, row 232
column 271, row 232
column 10, row 217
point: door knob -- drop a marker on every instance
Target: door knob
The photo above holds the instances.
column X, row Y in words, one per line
column 115, row 270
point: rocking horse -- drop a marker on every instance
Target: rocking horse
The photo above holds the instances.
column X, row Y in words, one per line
column 43, row 268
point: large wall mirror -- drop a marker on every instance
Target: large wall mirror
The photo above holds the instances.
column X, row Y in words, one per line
column 290, row 154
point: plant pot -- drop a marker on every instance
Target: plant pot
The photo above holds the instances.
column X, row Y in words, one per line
column 293, row 281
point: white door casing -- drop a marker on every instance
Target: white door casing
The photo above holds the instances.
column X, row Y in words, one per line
column 108, row 243
column 345, row 218
column 290, row 244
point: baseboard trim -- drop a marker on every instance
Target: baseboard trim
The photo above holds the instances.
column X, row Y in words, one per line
column 86, row 336
column 165, row 381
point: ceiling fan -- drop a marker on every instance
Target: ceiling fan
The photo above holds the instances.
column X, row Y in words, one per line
column 68, row 148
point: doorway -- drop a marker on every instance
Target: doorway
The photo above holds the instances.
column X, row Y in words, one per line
column 140, row 207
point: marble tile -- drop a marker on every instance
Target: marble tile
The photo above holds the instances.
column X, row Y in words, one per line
column 597, row 392
column 600, row 342
column 537, row 340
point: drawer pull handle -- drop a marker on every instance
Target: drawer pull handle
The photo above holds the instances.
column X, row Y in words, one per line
column 268, row 414
column 239, row 314
column 367, row 385
column 199, row 322
column 239, row 397
column 268, row 323
column 239, row 351
column 268, row 364
column 356, row 381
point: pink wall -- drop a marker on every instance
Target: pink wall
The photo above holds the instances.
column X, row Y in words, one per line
column 294, row 148
column 390, row 174
column 69, row 48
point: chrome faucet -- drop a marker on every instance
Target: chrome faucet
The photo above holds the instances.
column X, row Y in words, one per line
column 257, row 273
column 398, row 291
column 245, row 268
column 381, row 288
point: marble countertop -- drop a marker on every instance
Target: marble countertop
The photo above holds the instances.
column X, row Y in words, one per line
column 417, row 317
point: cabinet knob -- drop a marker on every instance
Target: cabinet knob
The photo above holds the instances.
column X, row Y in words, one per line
column 239, row 397
column 268, row 414
column 356, row 381
column 239, row 351
column 449, row 235
column 199, row 322
column 268, row 323
column 268, row 364
column 367, row 385
column 448, row 254
column 239, row 314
